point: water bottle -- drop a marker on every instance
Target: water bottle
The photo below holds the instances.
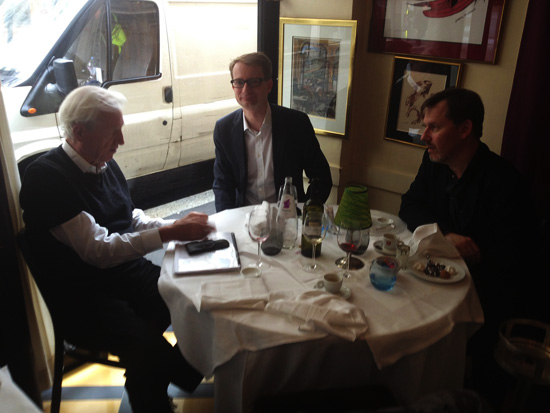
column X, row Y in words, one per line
column 281, row 189
column 312, row 204
column 92, row 69
column 287, row 218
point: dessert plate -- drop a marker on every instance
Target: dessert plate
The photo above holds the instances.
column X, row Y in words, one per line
column 460, row 273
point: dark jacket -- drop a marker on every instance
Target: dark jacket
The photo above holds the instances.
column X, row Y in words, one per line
column 295, row 150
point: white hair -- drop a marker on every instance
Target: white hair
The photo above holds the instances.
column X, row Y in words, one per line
column 84, row 104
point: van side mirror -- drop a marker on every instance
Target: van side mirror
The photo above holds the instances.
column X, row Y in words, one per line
column 65, row 76
column 46, row 95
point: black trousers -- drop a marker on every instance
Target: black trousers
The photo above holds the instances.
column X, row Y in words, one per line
column 127, row 317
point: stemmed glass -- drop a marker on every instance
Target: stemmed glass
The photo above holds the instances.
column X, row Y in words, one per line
column 349, row 240
column 258, row 228
column 314, row 228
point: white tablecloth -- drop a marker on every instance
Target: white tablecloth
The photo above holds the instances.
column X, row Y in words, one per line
column 414, row 344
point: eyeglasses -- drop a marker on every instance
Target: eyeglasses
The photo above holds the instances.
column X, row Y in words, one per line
column 254, row 82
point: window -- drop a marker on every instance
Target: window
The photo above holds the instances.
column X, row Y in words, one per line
column 130, row 51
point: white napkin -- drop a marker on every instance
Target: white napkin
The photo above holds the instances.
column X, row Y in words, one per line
column 247, row 293
column 264, row 207
column 429, row 239
column 12, row 398
column 318, row 310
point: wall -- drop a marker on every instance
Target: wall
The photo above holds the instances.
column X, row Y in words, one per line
column 387, row 167
column 323, row 9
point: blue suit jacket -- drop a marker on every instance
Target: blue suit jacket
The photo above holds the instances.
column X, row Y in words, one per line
column 295, row 150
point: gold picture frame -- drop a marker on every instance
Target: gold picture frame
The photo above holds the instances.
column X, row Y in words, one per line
column 315, row 70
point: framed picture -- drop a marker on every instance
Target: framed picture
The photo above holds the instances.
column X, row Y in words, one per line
column 454, row 29
column 414, row 81
column 315, row 68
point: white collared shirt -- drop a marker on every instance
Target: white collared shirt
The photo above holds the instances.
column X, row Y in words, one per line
column 259, row 148
column 93, row 243
column 82, row 163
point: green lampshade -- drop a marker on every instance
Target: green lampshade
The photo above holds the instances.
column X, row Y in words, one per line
column 354, row 206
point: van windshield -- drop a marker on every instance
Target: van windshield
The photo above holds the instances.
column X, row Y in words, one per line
column 29, row 30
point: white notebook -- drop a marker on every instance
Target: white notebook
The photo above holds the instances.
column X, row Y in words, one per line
column 212, row 262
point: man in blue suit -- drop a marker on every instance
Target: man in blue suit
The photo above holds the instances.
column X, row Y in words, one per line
column 262, row 143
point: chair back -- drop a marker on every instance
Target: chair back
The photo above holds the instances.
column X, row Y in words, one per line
column 62, row 347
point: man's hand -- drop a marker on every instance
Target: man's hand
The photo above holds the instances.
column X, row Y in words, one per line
column 191, row 227
column 466, row 247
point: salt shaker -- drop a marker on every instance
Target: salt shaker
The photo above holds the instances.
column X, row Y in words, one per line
column 402, row 254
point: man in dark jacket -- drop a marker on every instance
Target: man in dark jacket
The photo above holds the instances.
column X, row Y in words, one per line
column 480, row 203
column 259, row 145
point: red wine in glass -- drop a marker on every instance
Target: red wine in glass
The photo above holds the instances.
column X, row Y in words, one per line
column 349, row 240
column 348, row 247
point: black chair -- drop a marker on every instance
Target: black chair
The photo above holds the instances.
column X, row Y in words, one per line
column 62, row 347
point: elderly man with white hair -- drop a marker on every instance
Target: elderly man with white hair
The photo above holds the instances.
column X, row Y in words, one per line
column 83, row 228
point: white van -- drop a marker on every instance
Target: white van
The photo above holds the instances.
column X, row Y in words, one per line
column 169, row 58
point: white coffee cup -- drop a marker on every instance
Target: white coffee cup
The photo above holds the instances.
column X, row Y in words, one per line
column 389, row 243
column 333, row 282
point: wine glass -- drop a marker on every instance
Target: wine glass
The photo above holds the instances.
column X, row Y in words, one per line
column 349, row 240
column 314, row 228
column 258, row 228
column 356, row 263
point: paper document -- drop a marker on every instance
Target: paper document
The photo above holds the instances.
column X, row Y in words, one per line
column 212, row 262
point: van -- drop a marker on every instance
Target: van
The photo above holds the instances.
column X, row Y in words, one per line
column 169, row 58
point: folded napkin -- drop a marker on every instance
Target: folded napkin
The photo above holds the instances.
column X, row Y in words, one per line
column 247, row 293
column 12, row 398
column 428, row 239
column 318, row 310
column 264, row 207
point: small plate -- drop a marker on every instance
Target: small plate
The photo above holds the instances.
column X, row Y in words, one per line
column 378, row 248
column 460, row 273
column 345, row 292
column 251, row 272
column 383, row 222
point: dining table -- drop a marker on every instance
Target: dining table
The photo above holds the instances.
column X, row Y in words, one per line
column 281, row 333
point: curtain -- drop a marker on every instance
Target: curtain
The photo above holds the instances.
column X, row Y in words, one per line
column 526, row 141
column 40, row 326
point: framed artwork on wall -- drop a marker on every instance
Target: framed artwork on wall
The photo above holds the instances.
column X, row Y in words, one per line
column 414, row 81
column 315, row 70
column 453, row 29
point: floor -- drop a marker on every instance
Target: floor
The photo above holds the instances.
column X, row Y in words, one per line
column 94, row 388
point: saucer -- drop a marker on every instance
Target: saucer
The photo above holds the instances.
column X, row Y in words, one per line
column 251, row 272
column 345, row 292
column 378, row 248
column 383, row 222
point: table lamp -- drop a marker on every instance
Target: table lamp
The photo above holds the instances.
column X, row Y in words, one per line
column 354, row 206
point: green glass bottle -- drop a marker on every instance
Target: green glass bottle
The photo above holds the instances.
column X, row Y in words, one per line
column 312, row 204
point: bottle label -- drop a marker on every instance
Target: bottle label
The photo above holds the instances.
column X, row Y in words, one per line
column 287, row 205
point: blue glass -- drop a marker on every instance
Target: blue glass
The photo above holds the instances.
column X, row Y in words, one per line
column 383, row 273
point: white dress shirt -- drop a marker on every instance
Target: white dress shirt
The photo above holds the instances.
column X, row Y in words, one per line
column 92, row 242
column 259, row 148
